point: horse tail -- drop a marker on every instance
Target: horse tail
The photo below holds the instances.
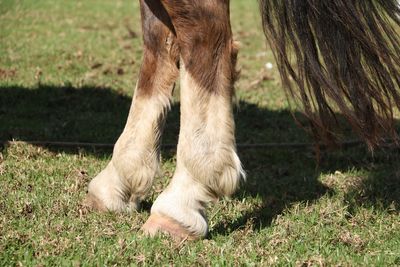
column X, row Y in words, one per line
column 338, row 55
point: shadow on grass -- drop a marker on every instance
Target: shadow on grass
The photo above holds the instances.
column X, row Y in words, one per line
column 279, row 177
column 62, row 114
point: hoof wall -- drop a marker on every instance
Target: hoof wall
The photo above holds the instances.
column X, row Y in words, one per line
column 93, row 203
column 162, row 224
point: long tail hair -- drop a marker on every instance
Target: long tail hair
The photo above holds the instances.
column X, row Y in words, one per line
column 338, row 54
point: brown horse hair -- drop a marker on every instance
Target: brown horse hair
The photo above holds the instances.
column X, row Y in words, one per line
column 338, row 54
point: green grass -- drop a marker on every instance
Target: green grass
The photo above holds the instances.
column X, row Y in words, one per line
column 67, row 73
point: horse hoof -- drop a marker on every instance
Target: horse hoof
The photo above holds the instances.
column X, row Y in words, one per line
column 93, row 203
column 157, row 223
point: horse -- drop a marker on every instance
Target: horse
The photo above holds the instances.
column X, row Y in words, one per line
column 331, row 55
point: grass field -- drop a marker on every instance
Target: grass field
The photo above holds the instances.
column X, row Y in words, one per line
column 67, row 73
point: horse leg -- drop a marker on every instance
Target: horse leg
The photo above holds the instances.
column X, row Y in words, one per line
column 135, row 160
column 207, row 164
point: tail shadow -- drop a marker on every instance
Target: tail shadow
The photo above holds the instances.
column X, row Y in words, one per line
column 282, row 176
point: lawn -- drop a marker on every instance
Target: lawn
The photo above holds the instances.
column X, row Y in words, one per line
column 67, row 73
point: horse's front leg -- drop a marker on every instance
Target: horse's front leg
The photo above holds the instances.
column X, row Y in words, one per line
column 207, row 164
column 135, row 160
